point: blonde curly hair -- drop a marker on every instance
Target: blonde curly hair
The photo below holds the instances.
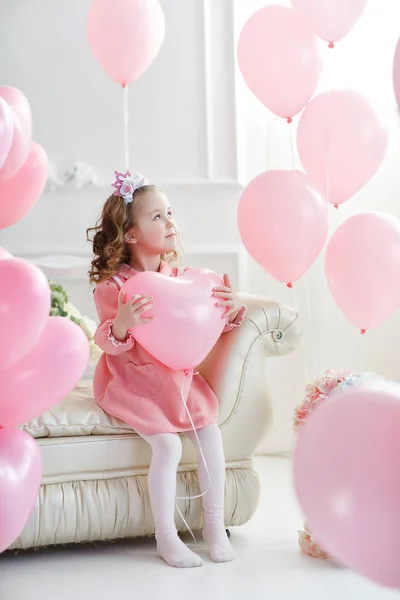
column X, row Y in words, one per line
column 109, row 246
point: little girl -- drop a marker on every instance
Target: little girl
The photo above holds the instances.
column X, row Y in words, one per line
column 136, row 233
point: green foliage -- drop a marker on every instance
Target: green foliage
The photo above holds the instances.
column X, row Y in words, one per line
column 59, row 299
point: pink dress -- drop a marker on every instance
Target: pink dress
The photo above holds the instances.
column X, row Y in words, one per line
column 132, row 385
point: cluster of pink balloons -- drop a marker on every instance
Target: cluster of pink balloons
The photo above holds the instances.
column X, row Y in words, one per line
column 23, row 163
column 125, row 36
column 41, row 360
column 283, row 215
column 346, row 476
column 278, row 51
column 348, row 453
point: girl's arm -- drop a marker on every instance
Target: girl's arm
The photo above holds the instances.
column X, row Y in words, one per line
column 106, row 299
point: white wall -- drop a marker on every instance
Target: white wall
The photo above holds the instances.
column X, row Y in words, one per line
column 198, row 132
column 181, row 128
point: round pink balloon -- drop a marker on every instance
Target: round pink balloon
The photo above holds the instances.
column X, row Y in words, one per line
column 283, row 223
column 346, row 475
column 6, row 130
column 25, row 300
column 20, row 476
column 125, row 36
column 187, row 324
column 22, row 137
column 20, row 193
column 46, row 374
column 362, row 267
column 279, row 59
column 331, row 19
column 396, row 73
column 341, row 143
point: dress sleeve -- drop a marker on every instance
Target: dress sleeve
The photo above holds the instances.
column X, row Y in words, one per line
column 238, row 320
column 106, row 300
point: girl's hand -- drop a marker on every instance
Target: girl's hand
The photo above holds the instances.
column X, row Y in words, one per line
column 229, row 298
column 129, row 314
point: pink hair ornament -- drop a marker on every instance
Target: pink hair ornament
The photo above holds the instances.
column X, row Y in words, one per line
column 126, row 185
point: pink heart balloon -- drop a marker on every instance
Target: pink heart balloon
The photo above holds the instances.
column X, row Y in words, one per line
column 20, row 193
column 20, row 476
column 22, row 138
column 25, row 301
column 46, row 374
column 187, row 323
column 346, row 475
column 6, row 130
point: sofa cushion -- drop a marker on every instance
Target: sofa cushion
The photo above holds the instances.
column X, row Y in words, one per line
column 76, row 415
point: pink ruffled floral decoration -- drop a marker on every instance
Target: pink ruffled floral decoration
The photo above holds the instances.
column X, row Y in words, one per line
column 316, row 392
column 309, row 547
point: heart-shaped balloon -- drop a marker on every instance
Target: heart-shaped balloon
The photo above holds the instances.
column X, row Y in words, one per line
column 46, row 374
column 187, row 323
column 20, row 475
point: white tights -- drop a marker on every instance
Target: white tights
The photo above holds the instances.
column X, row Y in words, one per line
column 167, row 452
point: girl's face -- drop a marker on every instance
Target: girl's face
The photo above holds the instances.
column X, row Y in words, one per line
column 154, row 231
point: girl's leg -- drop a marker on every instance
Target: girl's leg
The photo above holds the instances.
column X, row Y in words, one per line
column 213, row 501
column 167, row 452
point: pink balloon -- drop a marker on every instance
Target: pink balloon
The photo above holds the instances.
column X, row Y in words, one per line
column 187, row 323
column 340, row 137
column 20, row 476
column 4, row 254
column 396, row 73
column 125, row 36
column 25, row 300
column 362, row 266
column 20, row 193
column 6, row 130
column 22, row 138
column 331, row 19
column 46, row 374
column 283, row 222
column 279, row 59
column 346, row 475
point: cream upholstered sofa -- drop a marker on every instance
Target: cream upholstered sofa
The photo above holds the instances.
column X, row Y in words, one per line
column 95, row 467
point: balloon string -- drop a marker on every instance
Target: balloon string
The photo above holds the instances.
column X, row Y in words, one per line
column 328, row 126
column 202, row 458
column 291, row 142
column 313, row 357
column 301, row 338
column 292, row 150
column 126, row 127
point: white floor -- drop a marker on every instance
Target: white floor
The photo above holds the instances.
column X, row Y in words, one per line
column 269, row 564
